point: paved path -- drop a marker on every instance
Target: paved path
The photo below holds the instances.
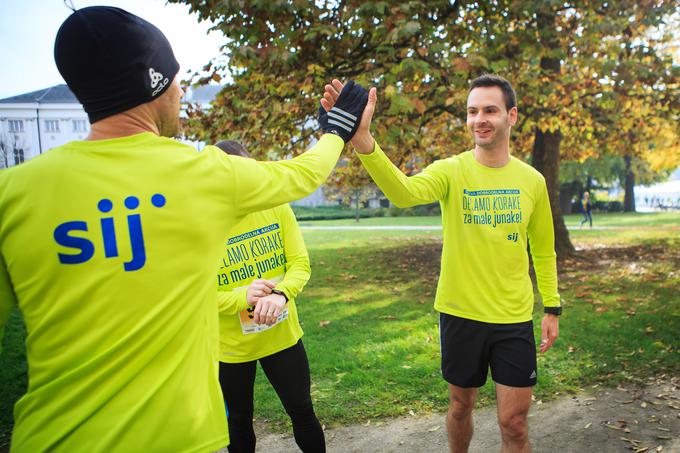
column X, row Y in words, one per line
column 605, row 421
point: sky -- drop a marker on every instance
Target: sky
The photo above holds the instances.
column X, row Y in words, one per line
column 28, row 29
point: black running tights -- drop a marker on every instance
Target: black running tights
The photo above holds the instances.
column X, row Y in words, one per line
column 288, row 372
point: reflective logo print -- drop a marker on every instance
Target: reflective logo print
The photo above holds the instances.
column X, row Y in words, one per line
column 86, row 247
column 155, row 77
column 158, row 82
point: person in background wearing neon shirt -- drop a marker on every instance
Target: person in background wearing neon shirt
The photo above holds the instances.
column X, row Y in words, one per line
column 259, row 322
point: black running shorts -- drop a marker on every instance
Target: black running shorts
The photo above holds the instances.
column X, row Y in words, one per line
column 470, row 347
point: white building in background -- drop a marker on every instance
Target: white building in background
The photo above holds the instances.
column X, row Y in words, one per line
column 35, row 122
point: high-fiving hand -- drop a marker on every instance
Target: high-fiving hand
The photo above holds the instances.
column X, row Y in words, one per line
column 362, row 140
column 342, row 118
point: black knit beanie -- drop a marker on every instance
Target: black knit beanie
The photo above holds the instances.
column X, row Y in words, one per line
column 113, row 60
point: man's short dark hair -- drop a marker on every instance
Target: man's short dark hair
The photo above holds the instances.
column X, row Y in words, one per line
column 492, row 80
column 233, row 147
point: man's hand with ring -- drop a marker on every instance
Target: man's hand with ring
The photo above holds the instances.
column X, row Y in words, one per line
column 268, row 309
column 257, row 289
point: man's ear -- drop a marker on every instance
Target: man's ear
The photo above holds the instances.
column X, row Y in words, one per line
column 512, row 116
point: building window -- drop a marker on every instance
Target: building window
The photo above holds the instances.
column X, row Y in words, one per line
column 79, row 126
column 51, row 125
column 18, row 156
column 16, row 126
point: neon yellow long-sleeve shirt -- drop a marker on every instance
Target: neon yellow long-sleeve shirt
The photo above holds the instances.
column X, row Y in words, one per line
column 488, row 214
column 264, row 245
column 109, row 250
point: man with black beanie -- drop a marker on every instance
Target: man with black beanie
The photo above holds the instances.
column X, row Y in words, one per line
column 108, row 247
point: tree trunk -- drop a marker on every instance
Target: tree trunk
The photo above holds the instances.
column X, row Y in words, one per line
column 567, row 193
column 629, row 197
column 546, row 159
column 546, row 151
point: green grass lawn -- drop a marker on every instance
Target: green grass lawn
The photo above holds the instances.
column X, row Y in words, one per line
column 371, row 331
column 380, row 221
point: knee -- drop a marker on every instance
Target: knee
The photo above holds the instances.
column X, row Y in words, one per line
column 301, row 412
column 514, row 426
column 460, row 409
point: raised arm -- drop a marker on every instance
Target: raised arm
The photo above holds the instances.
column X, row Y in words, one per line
column 426, row 187
column 263, row 185
column 404, row 191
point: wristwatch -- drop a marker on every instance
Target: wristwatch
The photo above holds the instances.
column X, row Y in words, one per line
column 553, row 310
column 280, row 293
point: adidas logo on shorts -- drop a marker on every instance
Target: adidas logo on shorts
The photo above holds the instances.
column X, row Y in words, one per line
column 342, row 119
column 532, row 375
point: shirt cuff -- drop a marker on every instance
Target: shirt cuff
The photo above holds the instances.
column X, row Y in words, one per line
column 375, row 154
column 332, row 137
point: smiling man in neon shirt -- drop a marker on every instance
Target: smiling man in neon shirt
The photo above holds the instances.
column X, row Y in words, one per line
column 492, row 205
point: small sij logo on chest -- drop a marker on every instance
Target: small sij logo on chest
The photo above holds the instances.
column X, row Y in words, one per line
column 513, row 237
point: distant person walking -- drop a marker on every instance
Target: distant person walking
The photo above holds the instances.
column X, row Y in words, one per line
column 586, row 210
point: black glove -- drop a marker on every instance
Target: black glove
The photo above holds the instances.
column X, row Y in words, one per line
column 343, row 119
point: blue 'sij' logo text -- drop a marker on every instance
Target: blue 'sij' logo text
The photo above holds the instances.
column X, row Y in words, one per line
column 86, row 247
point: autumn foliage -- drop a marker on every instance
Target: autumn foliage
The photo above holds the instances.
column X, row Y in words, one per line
column 593, row 78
